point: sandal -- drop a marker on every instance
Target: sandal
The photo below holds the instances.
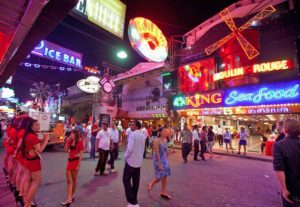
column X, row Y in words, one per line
column 167, row 197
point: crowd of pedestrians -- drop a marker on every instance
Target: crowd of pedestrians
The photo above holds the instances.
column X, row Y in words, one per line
column 23, row 161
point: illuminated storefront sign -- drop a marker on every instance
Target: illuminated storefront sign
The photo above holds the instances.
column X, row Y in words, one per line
column 89, row 85
column 254, row 69
column 263, row 94
column 108, row 14
column 6, row 93
column 57, row 53
column 147, row 39
column 271, row 109
column 198, row 100
column 151, row 108
column 254, row 95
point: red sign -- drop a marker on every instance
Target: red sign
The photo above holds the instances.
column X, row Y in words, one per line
column 255, row 69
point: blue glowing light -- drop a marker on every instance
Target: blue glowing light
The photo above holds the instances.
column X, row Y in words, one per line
column 261, row 95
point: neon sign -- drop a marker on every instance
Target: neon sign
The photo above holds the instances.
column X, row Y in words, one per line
column 108, row 14
column 198, row 100
column 255, row 69
column 147, row 39
column 277, row 93
column 89, row 85
column 253, row 95
column 57, row 53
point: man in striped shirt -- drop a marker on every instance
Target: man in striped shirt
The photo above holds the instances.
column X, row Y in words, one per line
column 286, row 163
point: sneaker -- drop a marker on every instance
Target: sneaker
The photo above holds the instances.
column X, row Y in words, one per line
column 238, row 153
column 113, row 170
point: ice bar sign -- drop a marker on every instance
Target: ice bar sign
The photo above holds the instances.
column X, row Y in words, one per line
column 57, row 53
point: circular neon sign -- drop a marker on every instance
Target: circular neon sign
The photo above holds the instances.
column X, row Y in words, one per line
column 147, row 39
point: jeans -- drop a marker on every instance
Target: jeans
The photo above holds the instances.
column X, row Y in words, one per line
column 92, row 152
column 131, row 188
column 103, row 155
column 203, row 149
column 186, row 149
column 113, row 154
column 196, row 149
column 147, row 143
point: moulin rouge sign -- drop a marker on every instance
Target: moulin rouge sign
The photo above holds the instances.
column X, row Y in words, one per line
column 255, row 69
column 255, row 95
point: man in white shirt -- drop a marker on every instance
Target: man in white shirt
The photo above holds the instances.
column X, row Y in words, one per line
column 103, row 141
column 133, row 162
column 196, row 139
column 114, row 134
column 220, row 135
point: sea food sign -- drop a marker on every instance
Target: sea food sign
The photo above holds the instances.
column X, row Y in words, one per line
column 57, row 53
column 278, row 93
column 147, row 39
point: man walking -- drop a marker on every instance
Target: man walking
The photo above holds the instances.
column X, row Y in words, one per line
column 95, row 129
column 186, row 137
column 133, row 162
column 286, row 163
column 196, row 142
column 103, row 140
column 114, row 134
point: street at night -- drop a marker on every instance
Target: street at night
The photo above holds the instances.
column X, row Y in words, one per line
column 138, row 103
column 221, row 181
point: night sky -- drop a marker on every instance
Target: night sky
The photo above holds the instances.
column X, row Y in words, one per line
column 173, row 17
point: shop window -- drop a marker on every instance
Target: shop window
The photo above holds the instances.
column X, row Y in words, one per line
column 197, row 76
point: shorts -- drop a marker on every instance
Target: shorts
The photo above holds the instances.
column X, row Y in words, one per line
column 227, row 141
column 33, row 165
column 243, row 142
column 72, row 164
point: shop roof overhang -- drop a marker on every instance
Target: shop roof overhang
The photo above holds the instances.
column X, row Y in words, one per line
column 238, row 10
column 142, row 70
column 23, row 24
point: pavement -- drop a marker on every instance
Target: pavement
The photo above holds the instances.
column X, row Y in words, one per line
column 223, row 181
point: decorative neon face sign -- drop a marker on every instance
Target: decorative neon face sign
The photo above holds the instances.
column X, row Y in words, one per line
column 147, row 39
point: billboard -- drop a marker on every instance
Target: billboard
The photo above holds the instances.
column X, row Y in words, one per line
column 58, row 53
column 107, row 14
column 253, row 95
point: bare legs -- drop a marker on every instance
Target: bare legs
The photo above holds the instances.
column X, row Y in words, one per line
column 240, row 149
column 36, row 178
column 71, row 185
column 163, row 185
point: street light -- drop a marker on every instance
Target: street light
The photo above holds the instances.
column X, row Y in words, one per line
column 122, row 54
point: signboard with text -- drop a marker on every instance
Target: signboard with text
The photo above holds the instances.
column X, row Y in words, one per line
column 255, row 69
column 58, row 53
column 254, row 95
column 107, row 14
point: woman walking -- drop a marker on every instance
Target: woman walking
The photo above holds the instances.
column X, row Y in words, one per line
column 161, row 164
column 31, row 148
column 74, row 145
